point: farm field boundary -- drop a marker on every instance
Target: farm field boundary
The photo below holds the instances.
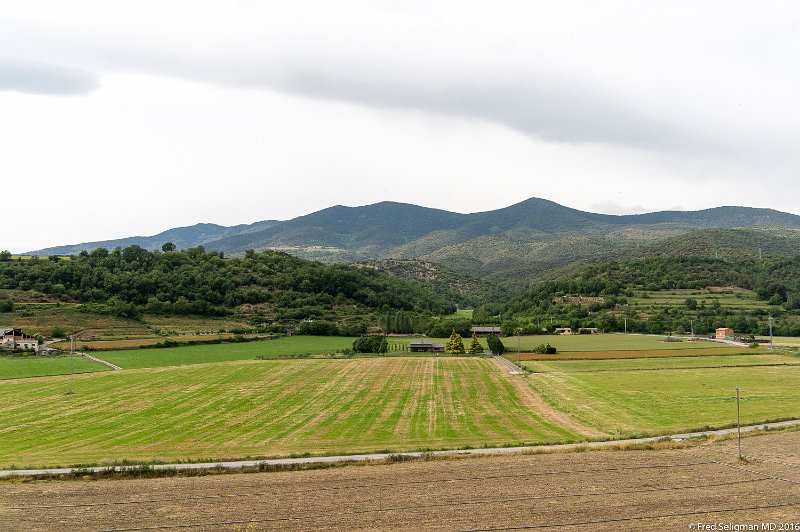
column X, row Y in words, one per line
column 379, row 457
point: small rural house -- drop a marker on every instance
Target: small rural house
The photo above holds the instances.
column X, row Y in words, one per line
column 425, row 346
column 588, row 330
column 15, row 339
column 486, row 331
column 563, row 330
column 724, row 333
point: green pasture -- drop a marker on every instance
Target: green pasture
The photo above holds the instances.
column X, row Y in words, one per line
column 264, row 408
column 658, row 401
column 667, row 363
column 735, row 299
column 603, row 342
column 39, row 366
column 201, row 354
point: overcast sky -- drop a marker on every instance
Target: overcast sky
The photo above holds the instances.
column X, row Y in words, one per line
column 128, row 118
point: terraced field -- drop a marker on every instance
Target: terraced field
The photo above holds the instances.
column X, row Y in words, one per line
column 264, row 408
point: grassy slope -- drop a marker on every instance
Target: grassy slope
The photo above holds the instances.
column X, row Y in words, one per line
column 199, row 354
column 262, row 408
column 19, row 368
column 627, row 402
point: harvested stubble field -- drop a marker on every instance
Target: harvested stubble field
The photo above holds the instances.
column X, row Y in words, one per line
column 610, row 490
column 264, row 408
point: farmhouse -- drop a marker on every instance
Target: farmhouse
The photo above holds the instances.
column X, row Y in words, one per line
column 425, row 346
column 11, row 338
column 588, row 330
column 724, row 333
column 563, row 330
column 485, row 331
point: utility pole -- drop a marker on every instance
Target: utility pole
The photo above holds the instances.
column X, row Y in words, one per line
column 771, row 344
column 518, row 330
column 626, row 325
column 738, row 423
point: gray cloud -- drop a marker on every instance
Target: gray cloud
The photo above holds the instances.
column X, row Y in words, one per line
column 561, row 114
column 43, row 78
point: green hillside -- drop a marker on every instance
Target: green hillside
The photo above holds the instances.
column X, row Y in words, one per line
column 512, row 245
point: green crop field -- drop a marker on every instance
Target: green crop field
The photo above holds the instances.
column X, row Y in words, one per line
column 200, row 354
column 22, row 367
column 635, row 401
column 604, row 342
column 264, row 408
column 734, row 298
column 624, row 364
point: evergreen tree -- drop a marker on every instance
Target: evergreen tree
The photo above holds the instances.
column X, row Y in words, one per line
column 495, row 345
column 455, row 344
column 475, row 347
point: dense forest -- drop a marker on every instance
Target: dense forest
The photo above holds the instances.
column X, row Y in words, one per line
column 273, row 286
column 606, row 289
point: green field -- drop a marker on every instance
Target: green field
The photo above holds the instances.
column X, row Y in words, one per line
column 200, row 354
column 22, row 367
column 603, row 342
column 632, row 364
column 264, row 408
column 736, row 298
column 626, row 402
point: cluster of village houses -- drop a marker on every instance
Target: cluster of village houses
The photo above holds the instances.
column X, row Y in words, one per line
column 15, row 339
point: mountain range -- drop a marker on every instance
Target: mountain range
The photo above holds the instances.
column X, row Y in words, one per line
column 519, row 242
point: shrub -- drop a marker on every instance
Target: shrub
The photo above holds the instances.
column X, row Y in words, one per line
column 543, row 349
column 495, row 345
column 370, row 344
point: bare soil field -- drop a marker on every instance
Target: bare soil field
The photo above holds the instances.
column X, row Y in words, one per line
column 672, row 489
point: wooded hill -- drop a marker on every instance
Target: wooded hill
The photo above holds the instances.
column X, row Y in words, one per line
column 269, row 286
column 515, row 244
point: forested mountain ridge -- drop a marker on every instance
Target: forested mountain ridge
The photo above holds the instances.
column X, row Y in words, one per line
column 511, row 244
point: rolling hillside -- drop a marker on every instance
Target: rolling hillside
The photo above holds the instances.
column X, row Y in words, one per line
column 516, row 243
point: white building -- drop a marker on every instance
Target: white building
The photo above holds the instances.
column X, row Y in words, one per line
column 11, row 338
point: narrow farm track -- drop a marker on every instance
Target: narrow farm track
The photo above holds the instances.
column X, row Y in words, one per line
column 535, row 402
column 637, row 490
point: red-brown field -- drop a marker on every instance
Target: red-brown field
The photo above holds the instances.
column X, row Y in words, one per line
column 611, row 490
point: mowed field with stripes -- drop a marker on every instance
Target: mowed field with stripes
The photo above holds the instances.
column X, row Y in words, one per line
column 264, row 408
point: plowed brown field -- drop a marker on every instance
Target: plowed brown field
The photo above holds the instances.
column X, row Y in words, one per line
column 619, row 490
